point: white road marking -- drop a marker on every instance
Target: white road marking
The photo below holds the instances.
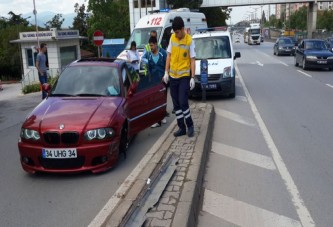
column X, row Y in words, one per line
column 243, row 155
column 303, row 213
column 260, row 64
column 234, row 117
column 243, row 214
column 281, row 62
column 304, row 73
column 241, row 98
column 331, row 86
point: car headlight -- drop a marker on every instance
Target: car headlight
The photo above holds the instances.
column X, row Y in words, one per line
column 227, row 72
column 331, row 57
column 311, row 57
column 29, row 134
column 280, row 48
column 100, row 133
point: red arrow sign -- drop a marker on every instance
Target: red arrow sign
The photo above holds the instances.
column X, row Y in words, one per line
column 98, row 38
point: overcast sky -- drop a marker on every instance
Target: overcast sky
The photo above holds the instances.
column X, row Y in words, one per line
column 27, row 6
column 67, row 6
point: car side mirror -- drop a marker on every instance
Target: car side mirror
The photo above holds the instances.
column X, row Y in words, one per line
column 237, row 55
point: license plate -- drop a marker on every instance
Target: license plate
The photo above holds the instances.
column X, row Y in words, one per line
column 59, row 153
column 210, row 86
column 322, row 62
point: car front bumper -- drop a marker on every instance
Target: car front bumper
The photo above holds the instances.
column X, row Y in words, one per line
column 225, row 86
column 93, row 157
column 319, row 64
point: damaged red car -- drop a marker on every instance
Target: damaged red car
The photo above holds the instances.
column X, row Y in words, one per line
column 89, row 116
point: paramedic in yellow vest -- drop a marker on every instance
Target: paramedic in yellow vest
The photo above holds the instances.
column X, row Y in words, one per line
column 180, row 70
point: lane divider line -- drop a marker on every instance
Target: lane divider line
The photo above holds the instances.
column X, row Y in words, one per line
column 302, row 211
column 243, row 214
column 304, row 73
column 330, row 85
column 246, row 156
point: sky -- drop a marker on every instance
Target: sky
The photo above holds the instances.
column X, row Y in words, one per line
column 67, row 6
column 246, row 12
column 27, row 6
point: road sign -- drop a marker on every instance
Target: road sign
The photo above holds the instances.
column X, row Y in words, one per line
column 98, row 38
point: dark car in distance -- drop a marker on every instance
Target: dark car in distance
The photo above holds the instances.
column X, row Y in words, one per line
column 93, row 110
column 313, row 53
column 284, row 46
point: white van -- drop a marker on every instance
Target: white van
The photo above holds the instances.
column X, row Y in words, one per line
column 215, row 45
column 161, row 22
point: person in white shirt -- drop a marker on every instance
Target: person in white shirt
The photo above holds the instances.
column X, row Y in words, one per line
column 133, row 56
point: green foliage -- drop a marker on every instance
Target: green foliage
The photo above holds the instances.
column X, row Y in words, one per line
column 216, row 16
column 80, row 22
column 298, row 19
column 110, row 17
column 31, row 88
column 194, row 4
column 55, row 22
column 325, row 19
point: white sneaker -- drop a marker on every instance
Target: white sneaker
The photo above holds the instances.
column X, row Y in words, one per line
column 155, row 125
column 164, row 121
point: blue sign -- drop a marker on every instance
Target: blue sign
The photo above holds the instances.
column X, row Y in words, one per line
column 204, row 71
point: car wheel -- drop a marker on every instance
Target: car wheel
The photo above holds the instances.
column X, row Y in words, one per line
column 304, row 64
column 124, row 142
column 295, row 60
column 274, row 52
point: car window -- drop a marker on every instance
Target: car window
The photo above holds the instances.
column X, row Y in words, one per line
column 88, row 81
column 212, row 47
column 141, row 36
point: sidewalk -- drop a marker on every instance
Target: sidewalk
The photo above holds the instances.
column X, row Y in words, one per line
column 179, row 203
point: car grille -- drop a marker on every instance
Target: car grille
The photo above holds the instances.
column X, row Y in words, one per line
column 70, row 163
column 64, row 138
column 211, row 77
column 288, row 48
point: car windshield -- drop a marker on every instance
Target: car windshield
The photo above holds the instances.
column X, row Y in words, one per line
column 141, row 37
column 255, row 31
column 316, row 44
column 212, row 47
column 285, row 41
column 87, row 81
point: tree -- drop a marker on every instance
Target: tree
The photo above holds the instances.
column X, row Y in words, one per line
column 298, row 19
column 80, row 22
column 111, row 17
column 15, row 19
column 192, row 4
column 55, row 22
column 325, row 19
column 216, row 16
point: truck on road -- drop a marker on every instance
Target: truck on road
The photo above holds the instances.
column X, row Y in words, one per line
column 254, row 34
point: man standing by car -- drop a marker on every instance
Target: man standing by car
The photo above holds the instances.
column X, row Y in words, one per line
column 180, row 64
column 41, row 66
column 156, row 59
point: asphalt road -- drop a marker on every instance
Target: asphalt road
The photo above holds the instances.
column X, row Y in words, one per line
column 53, row 199
column 271, row 157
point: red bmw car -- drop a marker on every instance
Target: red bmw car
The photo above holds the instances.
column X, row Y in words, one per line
column 89, row 116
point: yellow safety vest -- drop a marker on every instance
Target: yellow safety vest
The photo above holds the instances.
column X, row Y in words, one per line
column 180, row 61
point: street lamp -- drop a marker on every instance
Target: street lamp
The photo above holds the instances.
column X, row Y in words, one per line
column 35, row 13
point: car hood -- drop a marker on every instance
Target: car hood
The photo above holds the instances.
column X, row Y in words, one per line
column 215, row 66
column 74, row 113
column 321, row 53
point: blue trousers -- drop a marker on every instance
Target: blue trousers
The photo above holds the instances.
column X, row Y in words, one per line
column 43, row 80
column 179, row 90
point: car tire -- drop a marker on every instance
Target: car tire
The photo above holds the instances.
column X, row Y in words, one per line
column 304, row 64
column 274, row 52
column 124, row 142
column 295, row 61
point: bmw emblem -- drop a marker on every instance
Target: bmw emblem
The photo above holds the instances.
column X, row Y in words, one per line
column 61, row 126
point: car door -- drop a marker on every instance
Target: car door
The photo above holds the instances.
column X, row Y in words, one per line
column 146, row 103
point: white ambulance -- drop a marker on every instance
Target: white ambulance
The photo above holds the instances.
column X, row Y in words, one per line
column 161, row 22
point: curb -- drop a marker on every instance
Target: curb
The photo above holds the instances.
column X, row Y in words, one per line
column 187, row 209
column 117, row 208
